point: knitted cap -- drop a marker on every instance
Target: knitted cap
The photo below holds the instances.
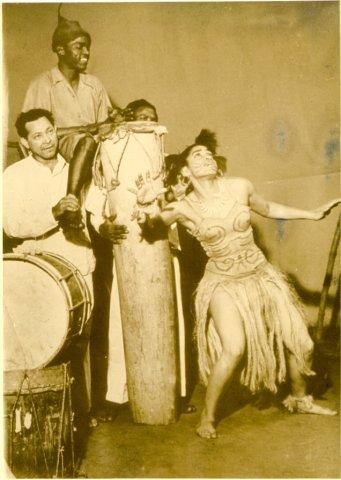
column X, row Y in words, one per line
column 66, row 31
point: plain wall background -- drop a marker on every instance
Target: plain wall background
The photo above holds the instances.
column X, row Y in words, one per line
column 264, row 76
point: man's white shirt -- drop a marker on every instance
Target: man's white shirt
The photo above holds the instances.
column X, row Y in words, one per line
column 30, row 190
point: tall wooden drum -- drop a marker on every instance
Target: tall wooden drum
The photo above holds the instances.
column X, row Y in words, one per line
column 145, row 278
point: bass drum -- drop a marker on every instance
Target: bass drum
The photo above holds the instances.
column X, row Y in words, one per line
column 46, row 305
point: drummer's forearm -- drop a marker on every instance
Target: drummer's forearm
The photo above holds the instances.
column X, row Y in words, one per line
column 91, row 128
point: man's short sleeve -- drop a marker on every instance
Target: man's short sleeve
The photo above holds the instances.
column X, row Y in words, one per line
column 104, row 106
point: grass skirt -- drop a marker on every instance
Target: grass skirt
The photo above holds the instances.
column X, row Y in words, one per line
column 272, row 318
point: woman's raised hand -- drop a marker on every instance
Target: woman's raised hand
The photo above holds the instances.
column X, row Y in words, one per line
column 145, row 191
column 325, row 209
column 180, row 188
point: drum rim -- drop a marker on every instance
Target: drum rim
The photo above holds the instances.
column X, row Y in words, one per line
column 55, row 274
column 80, row 280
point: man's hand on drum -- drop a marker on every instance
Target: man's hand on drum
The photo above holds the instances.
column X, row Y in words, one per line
column 68, row 205
column 116, row 115
column 106, row 128
column 128, row 115
column 113, row 231
column 115, row 118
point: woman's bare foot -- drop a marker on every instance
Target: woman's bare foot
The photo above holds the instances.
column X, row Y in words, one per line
column 306, row 404
column 206, row 427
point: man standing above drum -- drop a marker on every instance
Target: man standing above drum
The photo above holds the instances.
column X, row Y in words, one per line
column 35, row 199
column 79, row 103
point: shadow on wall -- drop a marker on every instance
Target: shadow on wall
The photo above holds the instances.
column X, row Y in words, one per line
column 307, row 296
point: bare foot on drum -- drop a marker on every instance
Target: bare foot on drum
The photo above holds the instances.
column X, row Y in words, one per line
column 206, row 427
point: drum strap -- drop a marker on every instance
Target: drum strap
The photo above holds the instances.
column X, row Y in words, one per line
column 40, row 237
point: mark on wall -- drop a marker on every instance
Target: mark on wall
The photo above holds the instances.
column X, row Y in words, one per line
column 281, row 140
column 280, row 228
column 332, row 149
column 331, row 152
column 281, row 137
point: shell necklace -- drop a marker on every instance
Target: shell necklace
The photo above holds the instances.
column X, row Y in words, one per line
column 217, row 206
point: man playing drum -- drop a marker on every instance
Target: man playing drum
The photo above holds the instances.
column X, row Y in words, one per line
column 34, row 200
column 79, row 104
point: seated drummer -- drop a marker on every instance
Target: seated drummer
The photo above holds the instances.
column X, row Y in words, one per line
column 34, row 199
column 79, row 104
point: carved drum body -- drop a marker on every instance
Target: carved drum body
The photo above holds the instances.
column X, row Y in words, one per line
column 145, row 278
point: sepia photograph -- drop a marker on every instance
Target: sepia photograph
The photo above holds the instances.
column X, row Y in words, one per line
column 171, row 230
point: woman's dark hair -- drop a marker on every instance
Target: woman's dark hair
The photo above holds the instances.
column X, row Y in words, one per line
column 136, row 104
column 174, row 163
column 31, row 116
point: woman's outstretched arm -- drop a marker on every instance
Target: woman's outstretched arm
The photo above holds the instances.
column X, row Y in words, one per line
column 276, row 210
column 148, row 208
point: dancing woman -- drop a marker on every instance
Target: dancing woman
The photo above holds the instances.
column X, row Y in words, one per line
column 244, row 306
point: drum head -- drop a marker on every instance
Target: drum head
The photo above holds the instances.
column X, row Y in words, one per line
column 134, row 154
column 35, row 316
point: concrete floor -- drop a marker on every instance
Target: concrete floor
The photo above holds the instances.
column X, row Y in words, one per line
column 252, row 442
